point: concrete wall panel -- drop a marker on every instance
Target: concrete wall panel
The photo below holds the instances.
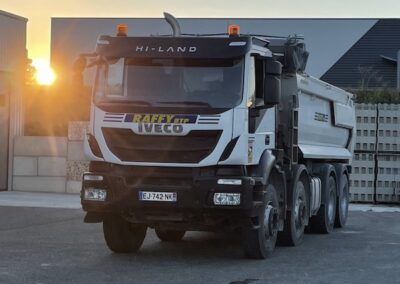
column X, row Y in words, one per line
column 40, row 146
column 25, row 166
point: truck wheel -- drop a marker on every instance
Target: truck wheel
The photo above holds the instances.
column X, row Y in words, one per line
column 259, row 241
column 122, row 236
column 296, row 219
column 169, row 235
column 342, row 207
column 325, row 219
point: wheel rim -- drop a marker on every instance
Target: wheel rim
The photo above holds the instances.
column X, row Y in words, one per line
column 300, row 208
column 344, row 202
column 270, row 228
column 331, row 206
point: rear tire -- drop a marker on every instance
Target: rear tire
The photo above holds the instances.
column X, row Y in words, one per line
column 122, row 236
column 342, row 207
column 169, row 235
column 324, row 221
column 297, row 218
column 259, row 240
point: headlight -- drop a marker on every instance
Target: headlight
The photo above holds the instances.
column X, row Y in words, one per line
column 95, row 194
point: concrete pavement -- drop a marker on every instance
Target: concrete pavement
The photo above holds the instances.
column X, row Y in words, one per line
column 40, row 200
column 42, row 245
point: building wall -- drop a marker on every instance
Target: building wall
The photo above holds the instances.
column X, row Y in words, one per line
column 13, row 58
column 12, row 42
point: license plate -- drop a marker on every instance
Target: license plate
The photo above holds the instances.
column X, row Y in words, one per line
column 157, row 196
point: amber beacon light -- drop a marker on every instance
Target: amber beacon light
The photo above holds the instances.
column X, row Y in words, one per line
column 122, row 30
column 234, row 30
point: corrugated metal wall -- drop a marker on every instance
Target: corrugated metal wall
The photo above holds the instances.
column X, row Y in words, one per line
column 12, row 64
column 12, row 41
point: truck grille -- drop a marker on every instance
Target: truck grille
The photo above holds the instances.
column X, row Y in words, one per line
column 192, row 148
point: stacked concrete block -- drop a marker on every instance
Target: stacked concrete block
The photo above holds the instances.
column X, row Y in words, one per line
column 388, row 154
column 366, row 116
column 50, row 164
column 388, row 178
column 362, row 176
column 378, row 135
column 77, row 163
column 40, row 164
column 388, row 128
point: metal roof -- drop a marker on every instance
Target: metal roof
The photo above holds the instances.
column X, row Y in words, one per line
column 372, row 61
column 16, row 17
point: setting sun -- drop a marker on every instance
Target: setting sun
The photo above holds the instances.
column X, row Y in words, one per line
column 44, row 74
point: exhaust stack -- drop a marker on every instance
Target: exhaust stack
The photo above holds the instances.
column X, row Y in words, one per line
column 176, row 28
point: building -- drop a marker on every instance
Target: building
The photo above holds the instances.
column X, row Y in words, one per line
column 327, row 40
column 13, row 59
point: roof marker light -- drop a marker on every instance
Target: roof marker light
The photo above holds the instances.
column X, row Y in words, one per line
column 122, row 30
column 234, row 30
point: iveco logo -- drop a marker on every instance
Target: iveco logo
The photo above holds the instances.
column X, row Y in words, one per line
column 166, row 49
column 160, row 128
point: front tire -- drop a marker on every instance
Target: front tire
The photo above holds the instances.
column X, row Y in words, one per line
column 169, row 235
column 259, row 240
column 122, row 236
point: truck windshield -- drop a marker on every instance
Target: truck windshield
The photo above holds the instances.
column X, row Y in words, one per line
column 216, row 83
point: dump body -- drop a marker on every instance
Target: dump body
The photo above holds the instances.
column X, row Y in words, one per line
column 326, row 120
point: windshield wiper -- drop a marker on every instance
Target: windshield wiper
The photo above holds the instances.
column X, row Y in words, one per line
column 194, row 103
column 138, row 102
column 126, row 103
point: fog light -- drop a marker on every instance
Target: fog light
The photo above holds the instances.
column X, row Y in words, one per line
column 226, row 198
column 93, row 177
column 230, row 181
column 95, row 194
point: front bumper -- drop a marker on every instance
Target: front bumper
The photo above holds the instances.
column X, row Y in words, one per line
column 194, row 204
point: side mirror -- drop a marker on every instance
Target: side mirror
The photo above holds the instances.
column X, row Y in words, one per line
column 81, row 63
column 77, row 68
column 272, row 83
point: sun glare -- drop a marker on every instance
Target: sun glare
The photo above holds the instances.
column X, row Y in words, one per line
column 44, row 74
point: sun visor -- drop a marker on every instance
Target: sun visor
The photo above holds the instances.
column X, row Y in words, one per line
column 168, row 47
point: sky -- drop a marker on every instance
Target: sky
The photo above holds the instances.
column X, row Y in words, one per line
column 39, row 12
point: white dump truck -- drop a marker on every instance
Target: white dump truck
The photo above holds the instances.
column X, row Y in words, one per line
column 214, row 133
